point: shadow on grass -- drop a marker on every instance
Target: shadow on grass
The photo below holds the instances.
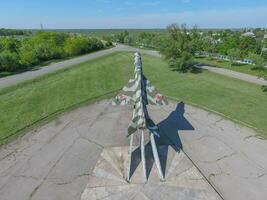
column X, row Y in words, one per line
column 196, row 70
column 10, row 73
column 264, row 88
column 33, row 68
column 238, row 64
column 192, row 68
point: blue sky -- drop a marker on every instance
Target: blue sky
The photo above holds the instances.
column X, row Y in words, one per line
column 132, row 14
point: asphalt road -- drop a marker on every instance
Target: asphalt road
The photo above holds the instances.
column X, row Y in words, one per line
column 234, row 74
column 16, row 79
column 57, row 161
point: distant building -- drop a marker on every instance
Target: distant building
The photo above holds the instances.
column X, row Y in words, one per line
column 265, row 36
column 249, row 34
column 216, row 34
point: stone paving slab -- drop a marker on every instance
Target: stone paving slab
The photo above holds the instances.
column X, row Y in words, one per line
column 54, row 162
column 230, row 156
column 183, row 180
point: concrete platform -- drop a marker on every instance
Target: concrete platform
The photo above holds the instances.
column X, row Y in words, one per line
column 183, row 180
column 56, row 161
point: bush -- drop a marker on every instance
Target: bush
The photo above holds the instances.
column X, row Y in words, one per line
column 108, row 44
column 183, row 63
column 27, row 55
column 75, row 46
column 49, row 45
column 81, row 45
column 10, row 44
column 9, row 61
column 94, row 45
column 17, row 54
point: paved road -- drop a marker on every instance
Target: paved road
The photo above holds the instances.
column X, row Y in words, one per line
column 233, row 74
column 15, row 79
column 55, row 161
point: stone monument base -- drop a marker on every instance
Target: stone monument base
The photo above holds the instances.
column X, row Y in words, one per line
column 183, row 180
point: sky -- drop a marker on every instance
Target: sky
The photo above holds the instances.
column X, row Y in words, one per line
column 107, row 14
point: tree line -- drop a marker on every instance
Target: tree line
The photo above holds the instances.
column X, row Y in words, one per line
column 10, row 32
column 180, row 45
column 19, row 54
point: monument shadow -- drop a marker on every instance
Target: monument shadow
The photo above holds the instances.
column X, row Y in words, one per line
column 169, row 136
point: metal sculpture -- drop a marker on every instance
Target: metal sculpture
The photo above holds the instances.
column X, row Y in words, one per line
column 139, row 93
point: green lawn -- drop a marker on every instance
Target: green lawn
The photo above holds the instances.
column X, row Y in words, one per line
column 234, row 98
column 27, row 103
column 247, row 69
column 30, row 102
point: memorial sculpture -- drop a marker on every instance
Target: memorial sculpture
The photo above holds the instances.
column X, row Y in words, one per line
column 139, row 93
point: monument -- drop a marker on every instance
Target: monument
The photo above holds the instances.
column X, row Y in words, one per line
column 139, row 92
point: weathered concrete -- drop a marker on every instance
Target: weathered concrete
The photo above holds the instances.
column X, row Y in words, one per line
column 52, row 162
column 230, row 156
column 56, row 160
column 183, row 180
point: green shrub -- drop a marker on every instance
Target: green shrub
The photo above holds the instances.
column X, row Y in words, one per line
column 18, row 54
column 9, row 61
column 27, row 55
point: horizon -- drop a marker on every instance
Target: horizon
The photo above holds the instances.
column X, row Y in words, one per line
column 121, row 14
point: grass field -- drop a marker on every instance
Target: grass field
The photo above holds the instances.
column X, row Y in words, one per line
column 27, row 103
column 99, row 33
column 247, row 69
column 234, row 98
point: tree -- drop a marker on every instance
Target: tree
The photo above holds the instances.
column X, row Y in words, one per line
column 196, row 40
column 248, row 45
column 49, row 45
column 234, row 54
column 259, row 64
column 27, row 54
column 9, row 61
column 93, row 45
column 129, row 39
column 258, row 61
column 10, row 44
column 177, row 48
column 229, row 42
column 121, row 36
column 75, row 46
column 22, row 53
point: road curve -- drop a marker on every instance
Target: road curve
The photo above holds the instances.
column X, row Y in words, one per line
column 19, row 78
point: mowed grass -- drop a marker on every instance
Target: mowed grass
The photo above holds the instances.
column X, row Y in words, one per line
column 27, row 103
column 23, row 105
column 243, row 68
column 236, row 99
